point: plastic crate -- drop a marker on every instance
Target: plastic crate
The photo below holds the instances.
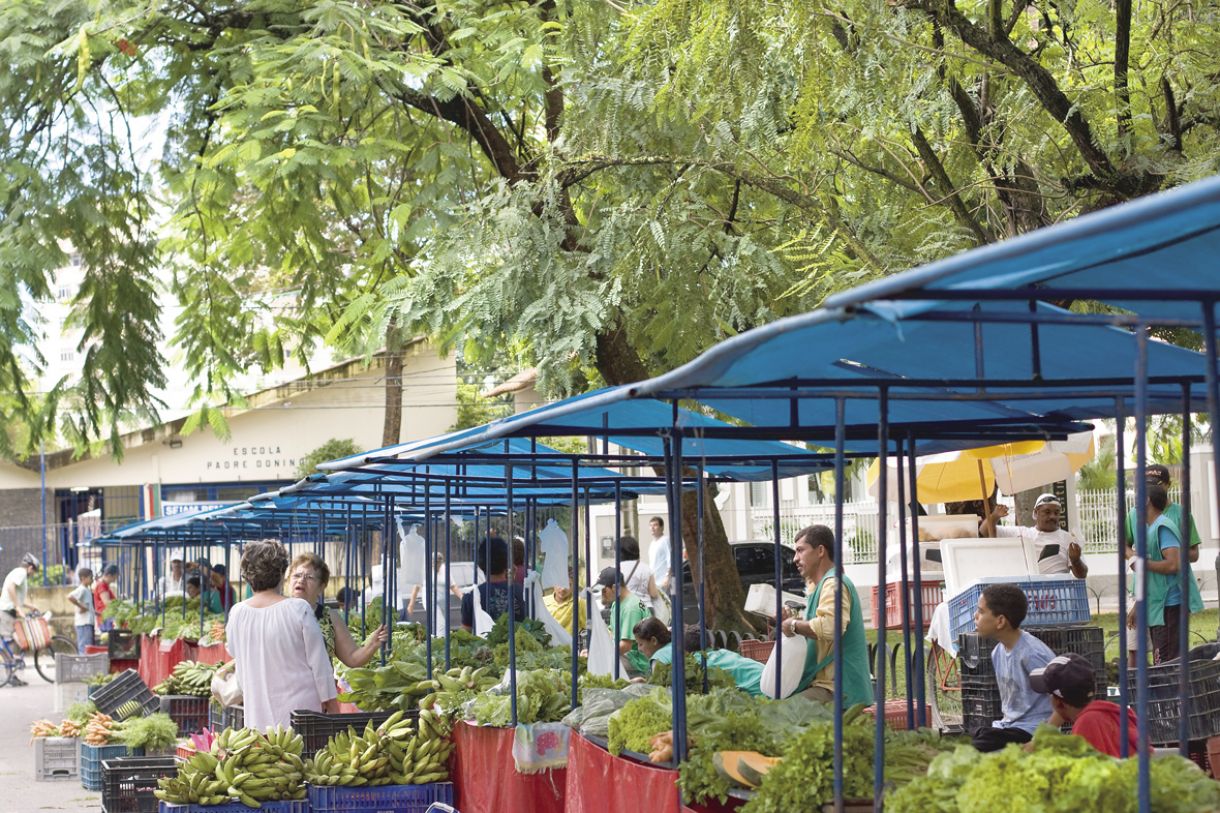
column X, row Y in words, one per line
column 188, row 711
column 317, row 728
column 128, row 783
column 183, row 751
column 127, row 686
column 68, row 693
column 896, row 714
column 757, row 650
column 235, row 717
column 216, row 717
column 91, row 757
column 56, row 758
column 980, row 703
column 123, row 644
column 933, row 594
column 79, row 668
column 974, row 653
column 1165, row 703
column 301, row 806
column 119, row 665
column 1053, row 602
column 397, row 798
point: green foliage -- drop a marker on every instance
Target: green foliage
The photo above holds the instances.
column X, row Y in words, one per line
column 332, row 449
column 662, row 675
column 543, row 696
column 155, row 732
column 632, row 726
column 80, row 712
column 1063, row 773
column 475, row 410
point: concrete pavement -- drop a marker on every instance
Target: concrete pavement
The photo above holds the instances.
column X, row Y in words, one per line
column 19, row 793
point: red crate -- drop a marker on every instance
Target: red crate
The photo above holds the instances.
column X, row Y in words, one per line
column 757, row 650
column 1213, row 756
column 184, row 751
column 896, row 714
column 933, row 594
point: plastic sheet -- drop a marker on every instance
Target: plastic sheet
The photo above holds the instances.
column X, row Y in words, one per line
column 602, row 650
column 487, row 781
column 554, row 543
column 601, row 783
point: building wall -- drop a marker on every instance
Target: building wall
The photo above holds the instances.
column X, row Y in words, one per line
column 22, row 507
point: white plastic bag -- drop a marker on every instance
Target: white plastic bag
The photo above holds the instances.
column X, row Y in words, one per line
column 540, row 747
column 559, row 636
column 791, row 670
column 412, row 569
column 554, row 543
column 602, row 650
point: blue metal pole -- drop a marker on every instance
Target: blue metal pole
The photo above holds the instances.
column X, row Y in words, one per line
column 678, row 643
column 777, row 538
column 618, row 568
column 921, row 711
column 903, row 583
column 429, row 574
column 448, row 571
column 704, row 643
column 840, row 483
column 1141, row 572
column 1120, row 455
column 512, row 604
column 1186, row 574
column 883, row 445
column 574, row 544
column 42, row 493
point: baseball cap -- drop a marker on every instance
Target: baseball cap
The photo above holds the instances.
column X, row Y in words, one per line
column 1068, row 676
column 607, row 576
column 1156, row 473
column 31, row 559
column 1045, row 499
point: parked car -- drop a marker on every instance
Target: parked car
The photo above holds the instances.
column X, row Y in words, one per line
column 756, row 564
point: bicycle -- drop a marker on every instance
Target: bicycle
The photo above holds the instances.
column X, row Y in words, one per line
column 13, row 656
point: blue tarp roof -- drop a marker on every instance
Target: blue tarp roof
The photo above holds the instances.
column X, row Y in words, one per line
column 1155, row 245
column 633, row 425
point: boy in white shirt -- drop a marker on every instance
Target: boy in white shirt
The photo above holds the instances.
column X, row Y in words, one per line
column 84, row 617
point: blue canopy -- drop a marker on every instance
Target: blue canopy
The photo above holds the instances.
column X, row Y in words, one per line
column 1155, row 256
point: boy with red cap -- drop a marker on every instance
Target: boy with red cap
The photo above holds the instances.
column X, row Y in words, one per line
column 1068, row 679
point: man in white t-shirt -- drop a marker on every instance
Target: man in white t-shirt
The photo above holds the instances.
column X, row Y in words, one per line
column 1054, row 549
column 13, row 594
column 658, row 554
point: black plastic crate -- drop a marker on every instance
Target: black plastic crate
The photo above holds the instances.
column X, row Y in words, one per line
column 216, row 716
column 128, row 783
column 126, row 686
column 1165, row 704
column 235, row 717
column 122, row 644
column 188, row 711
column 974, row 652
column 980, row 703
column 317, row 728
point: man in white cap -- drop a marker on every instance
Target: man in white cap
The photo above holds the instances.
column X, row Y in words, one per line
column 1056, row 550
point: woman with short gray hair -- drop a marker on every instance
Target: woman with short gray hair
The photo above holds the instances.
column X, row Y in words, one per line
column 277, row 648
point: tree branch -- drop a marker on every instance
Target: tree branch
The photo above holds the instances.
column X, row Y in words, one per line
column 1122, row 58
column 1036, row 77
column 951, row 198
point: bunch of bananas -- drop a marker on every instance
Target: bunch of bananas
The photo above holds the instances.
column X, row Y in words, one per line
column 243, row 765
column 394, row 753
column 189, row 678
column 131, row 708
column 449, row 690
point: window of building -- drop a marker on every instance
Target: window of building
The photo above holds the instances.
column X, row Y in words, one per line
column 67, row 355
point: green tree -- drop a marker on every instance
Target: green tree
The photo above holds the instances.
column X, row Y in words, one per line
column 332, row 449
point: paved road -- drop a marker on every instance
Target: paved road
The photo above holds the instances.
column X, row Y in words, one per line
column 19, row 793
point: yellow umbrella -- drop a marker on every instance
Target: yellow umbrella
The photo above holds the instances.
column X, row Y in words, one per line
column 973, row 474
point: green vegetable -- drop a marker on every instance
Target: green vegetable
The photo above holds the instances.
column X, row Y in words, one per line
column 81, row 712
column 662, row 675
column 156, row 732
column 543, row 696
column 632, row 726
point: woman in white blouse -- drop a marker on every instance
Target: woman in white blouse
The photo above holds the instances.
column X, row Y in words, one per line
column 277, row 648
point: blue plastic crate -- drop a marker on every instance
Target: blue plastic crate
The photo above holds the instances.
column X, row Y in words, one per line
column 385, row 799
column 91, row 757
column 1053, row 601
column 301, row 806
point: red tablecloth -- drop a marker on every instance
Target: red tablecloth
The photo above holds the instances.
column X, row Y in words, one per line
column 215, row 653
column 486, row 780
column 601, row 783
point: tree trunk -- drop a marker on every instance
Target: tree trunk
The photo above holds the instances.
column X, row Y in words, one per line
column 619, row 363
column 392, row 429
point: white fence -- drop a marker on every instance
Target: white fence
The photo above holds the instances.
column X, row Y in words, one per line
column 1098, row 529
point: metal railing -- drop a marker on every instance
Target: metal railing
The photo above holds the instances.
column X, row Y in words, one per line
column 54, row 544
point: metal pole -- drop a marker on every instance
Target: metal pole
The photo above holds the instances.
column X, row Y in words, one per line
column 883, row 444
column 618, row 567
column 678, row 643
column 921, row 711
column 703, row 639
column 448, row 568
column 512, row 593
column 1141, row 570
column 778, row 573
column 575, row 548
column 42, row 494
column 1120, row 454
column 903, row 584
column 1186, row 575
column 840, row 482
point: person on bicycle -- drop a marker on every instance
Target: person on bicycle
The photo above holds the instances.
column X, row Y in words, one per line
column 13, row 597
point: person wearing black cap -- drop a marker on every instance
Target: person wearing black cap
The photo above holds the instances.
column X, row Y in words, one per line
column 1068, row 679
column 630, row 611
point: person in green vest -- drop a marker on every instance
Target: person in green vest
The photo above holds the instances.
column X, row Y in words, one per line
column 1163, row 563
column 653, row 639
column 1156, row 474
column 627, row 608
column 814, row 559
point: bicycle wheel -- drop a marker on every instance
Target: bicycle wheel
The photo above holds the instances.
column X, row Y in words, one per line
column 7, row 664
column 944, row 690
column 44, row 659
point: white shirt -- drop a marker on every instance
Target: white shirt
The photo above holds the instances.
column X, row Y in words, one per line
column 15, row 578
column 658, row 558
column 86, row 617
column 637, row 582
column 1049, row 548
column 281, row 660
